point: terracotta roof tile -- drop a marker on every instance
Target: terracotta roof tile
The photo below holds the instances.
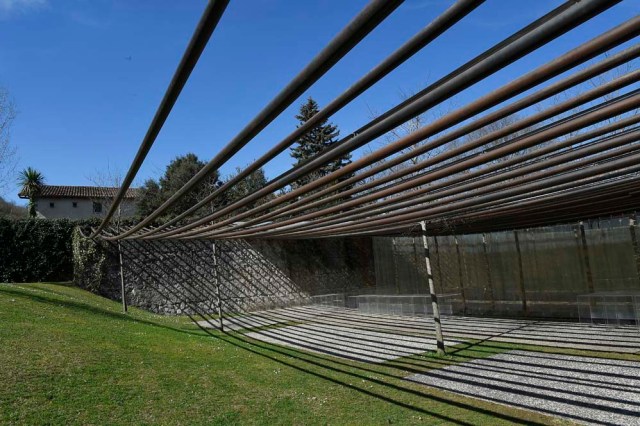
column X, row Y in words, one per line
column 59, row 191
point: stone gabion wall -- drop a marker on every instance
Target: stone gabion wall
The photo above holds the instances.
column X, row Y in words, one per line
column 178, row 277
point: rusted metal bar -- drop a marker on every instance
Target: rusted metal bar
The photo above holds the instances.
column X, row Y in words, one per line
column 463, row 190
column 614, row 204
column 208, row 22
column 547, row 30
column 562, row 207
column 396, row 203
column 325, row 194
column 581, row 209
column 456, row 194
column 432, row 292
column 625, row 202
column 438, row 26
column 609, row 109
column 396, row 219
column 368, row 19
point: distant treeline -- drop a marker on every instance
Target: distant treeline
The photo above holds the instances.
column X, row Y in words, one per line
column 11, row 210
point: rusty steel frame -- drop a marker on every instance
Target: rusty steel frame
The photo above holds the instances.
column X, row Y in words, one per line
column 550, row 26
column 467, row 201
column 433, row 144
column 207, row 24
column 596, row 46
column 608, row 111
column 536, row 137
column 356, row 30
column 593, row 172
column 525, row 199
column 489, row 196
column 452, row 189
column 433, row 30
column 494, row 170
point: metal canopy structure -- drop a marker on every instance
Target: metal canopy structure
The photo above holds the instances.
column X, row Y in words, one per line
column 459, row 173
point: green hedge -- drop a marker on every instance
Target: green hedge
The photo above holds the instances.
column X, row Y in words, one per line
column 35, row 250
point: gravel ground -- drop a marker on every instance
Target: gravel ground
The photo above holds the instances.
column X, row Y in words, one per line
column 582, row 389
column 543, row 333
column 330, row 322
column 345, row 342
column 240, row 323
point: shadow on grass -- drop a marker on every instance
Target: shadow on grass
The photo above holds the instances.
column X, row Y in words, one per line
column 87, row 308
column 356, row 371
column 312, row 364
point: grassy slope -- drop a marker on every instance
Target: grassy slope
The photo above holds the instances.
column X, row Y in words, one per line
column 70, row 357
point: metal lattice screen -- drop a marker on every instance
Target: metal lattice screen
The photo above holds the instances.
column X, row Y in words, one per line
column 538, row 272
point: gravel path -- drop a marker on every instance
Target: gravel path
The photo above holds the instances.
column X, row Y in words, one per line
column 543, row 333
column 330, row 321
column 585, row 390
column 345, row 342
column 241, row 323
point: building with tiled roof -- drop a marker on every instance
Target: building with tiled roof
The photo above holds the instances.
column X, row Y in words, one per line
column 80, row 202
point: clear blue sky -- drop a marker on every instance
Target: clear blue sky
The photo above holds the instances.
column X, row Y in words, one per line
column 87, row 75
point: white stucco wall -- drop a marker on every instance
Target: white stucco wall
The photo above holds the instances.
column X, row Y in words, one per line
column 63, row 208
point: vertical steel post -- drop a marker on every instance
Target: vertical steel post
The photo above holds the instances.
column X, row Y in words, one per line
column 523, row 294
column 587, row 263
column 216, row 282
column 488, row 264
column 122, row 292
column 460, row 276
column 432, row 292
column 634, row 244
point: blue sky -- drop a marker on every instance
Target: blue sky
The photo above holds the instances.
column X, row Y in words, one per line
column 88, row 75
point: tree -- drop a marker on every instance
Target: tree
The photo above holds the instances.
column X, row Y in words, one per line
column 315, row 141
column 252, row 183
column 149, row 198
column 11, row 210
column 7, row 151
column 179, row 171
column 30, row 181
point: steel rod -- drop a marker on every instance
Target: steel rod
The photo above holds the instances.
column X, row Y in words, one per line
column 432, row 292
column 368, row 19
column 207, row 24
column 546, row 31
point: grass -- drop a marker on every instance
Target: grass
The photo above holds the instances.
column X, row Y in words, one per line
column 70, row 357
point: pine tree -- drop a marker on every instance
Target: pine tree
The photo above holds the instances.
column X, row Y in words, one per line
column 179, row 171
column 319, row 138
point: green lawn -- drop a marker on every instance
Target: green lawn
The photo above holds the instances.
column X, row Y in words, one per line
column 70, row 357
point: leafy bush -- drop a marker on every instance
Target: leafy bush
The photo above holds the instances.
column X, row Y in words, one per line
column 35, row 250
column 91, row 262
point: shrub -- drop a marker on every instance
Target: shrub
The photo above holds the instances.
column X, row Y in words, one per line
column 35, row 250
column 91, row 262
